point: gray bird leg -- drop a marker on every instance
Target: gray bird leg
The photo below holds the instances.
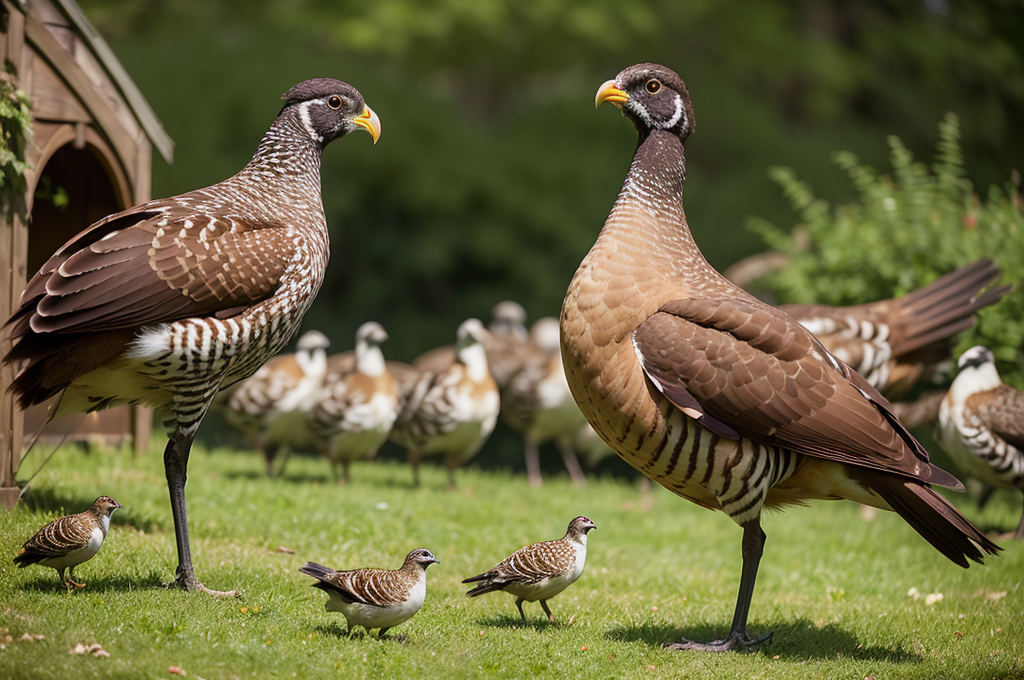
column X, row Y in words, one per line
column 572, row 463
column 414, row 463
column 1020, row 528
column 544, row 606
column 175, row 465
column 753, row 547
column 519, row 603
column 532, row 456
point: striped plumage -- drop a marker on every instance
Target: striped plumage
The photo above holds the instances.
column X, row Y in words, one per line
column 981, row 424
column 538, row 571
column 375, row 598
column 451, row 411
column 356, row 408
column 536, row 403
column 68, row 541
column 272, row 406
column 714, row 394
column 165, row 303
column 894, row 343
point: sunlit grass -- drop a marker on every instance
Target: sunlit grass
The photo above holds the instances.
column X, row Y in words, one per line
column 832, row 586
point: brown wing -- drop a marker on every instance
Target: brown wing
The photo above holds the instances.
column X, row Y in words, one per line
column 59, row 537
column 150, row 264
column 752, row 370
column 377, row 587
column 536, row 562
column 1003, row 410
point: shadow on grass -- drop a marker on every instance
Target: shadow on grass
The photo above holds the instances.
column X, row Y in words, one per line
column 150, row 581
column 46, row 500
column 800, row 640
column 339, row 631
column 513, row 621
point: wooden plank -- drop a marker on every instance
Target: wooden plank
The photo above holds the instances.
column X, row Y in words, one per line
column 51, row 98
column 67, row 68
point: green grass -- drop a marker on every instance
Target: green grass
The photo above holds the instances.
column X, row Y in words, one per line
column 832, row 586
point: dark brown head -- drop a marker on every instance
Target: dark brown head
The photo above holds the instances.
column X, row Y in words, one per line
column 104, row 506
column 653, row 97
column 420, row 558
column 580, row 526
column 328, row 108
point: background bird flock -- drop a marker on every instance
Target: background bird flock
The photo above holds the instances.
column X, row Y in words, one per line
column 446, row 403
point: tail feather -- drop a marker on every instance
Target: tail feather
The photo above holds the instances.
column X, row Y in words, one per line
column 932, row 516
column 488, row 583
column 947, row 305
column 317, row 571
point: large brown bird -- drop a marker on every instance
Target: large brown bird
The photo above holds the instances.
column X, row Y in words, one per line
column 719, row 397
column 165, row 303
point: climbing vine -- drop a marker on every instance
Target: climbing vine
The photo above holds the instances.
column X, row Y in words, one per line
column 15, row 134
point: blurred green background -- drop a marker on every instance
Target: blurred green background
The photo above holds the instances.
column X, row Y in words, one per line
column 494, row 173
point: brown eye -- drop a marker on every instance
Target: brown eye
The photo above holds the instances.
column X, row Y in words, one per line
column 335, row 102
column 653, row 86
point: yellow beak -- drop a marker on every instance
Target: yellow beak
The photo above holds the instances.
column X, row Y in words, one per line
column 369, row 121
column 608, row 92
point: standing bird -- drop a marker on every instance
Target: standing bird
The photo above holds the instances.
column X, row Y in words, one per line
column 166, row 303
column 356, row 408
column 68, row 541
column 375, row 598
column 539, row 571
column 536, row 403
column 894, row 343
column 717, row 396
column 981, row 424
column 272, row 406
column 451, row 411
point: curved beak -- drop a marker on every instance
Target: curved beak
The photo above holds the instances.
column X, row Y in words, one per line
column 608, row 92
column 369, row 121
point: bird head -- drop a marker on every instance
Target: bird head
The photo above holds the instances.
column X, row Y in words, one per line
column 975, row 357
column 328, row 108
column 372, row 333
column 653, row 97
column 104, row 506
column 580, row 526
column 421, row 557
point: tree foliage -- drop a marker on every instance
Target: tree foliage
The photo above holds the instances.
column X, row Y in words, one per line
column 904, row 230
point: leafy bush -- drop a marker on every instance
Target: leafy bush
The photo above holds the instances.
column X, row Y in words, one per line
column 903, row 231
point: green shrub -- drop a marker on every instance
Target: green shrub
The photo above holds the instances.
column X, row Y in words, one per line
column 903, row 231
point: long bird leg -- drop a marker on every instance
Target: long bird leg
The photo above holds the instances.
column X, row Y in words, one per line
column 532, row 456
column 1020, row 528
column 572, row 463
column 175, row 465
column 544, row 606
column 753, row 547
column 519, row 603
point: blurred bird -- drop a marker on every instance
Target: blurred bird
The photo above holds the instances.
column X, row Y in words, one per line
column 375, row 598
column 894, row 343
column 981, row 424
column 536, row 403
column 68, row 541
column 717, row 396
column 451, row 411
column 356, row 408
column 539, row 571
column 166, row 303
column 272, row 407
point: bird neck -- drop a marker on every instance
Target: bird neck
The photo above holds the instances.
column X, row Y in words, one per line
column 312, row 362
column 579, row 538
column 288, row 158
column 369, row 359
column 974, row 379
column 648, row 215
column 474, row 358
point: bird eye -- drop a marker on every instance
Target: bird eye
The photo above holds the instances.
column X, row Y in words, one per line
column 334, row 102
column 653, row 86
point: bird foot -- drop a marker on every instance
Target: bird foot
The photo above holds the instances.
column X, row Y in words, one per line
column 190, row 582
column 735, row 640
column 72, row 584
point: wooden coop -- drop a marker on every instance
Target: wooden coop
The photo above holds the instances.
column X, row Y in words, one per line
column 90, row 155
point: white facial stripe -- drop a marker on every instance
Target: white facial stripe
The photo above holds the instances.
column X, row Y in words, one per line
column 677, row 115
column 307, row 121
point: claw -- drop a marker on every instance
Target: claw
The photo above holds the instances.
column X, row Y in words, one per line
column 735, row 640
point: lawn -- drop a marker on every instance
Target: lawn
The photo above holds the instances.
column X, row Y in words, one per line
column 833, row 585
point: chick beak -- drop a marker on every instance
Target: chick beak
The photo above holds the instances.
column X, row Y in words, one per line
column 369, row 121
column 609, row 92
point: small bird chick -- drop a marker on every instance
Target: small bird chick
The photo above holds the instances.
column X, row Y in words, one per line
column 375, row 598
column 68, row 541
column 539, row 571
